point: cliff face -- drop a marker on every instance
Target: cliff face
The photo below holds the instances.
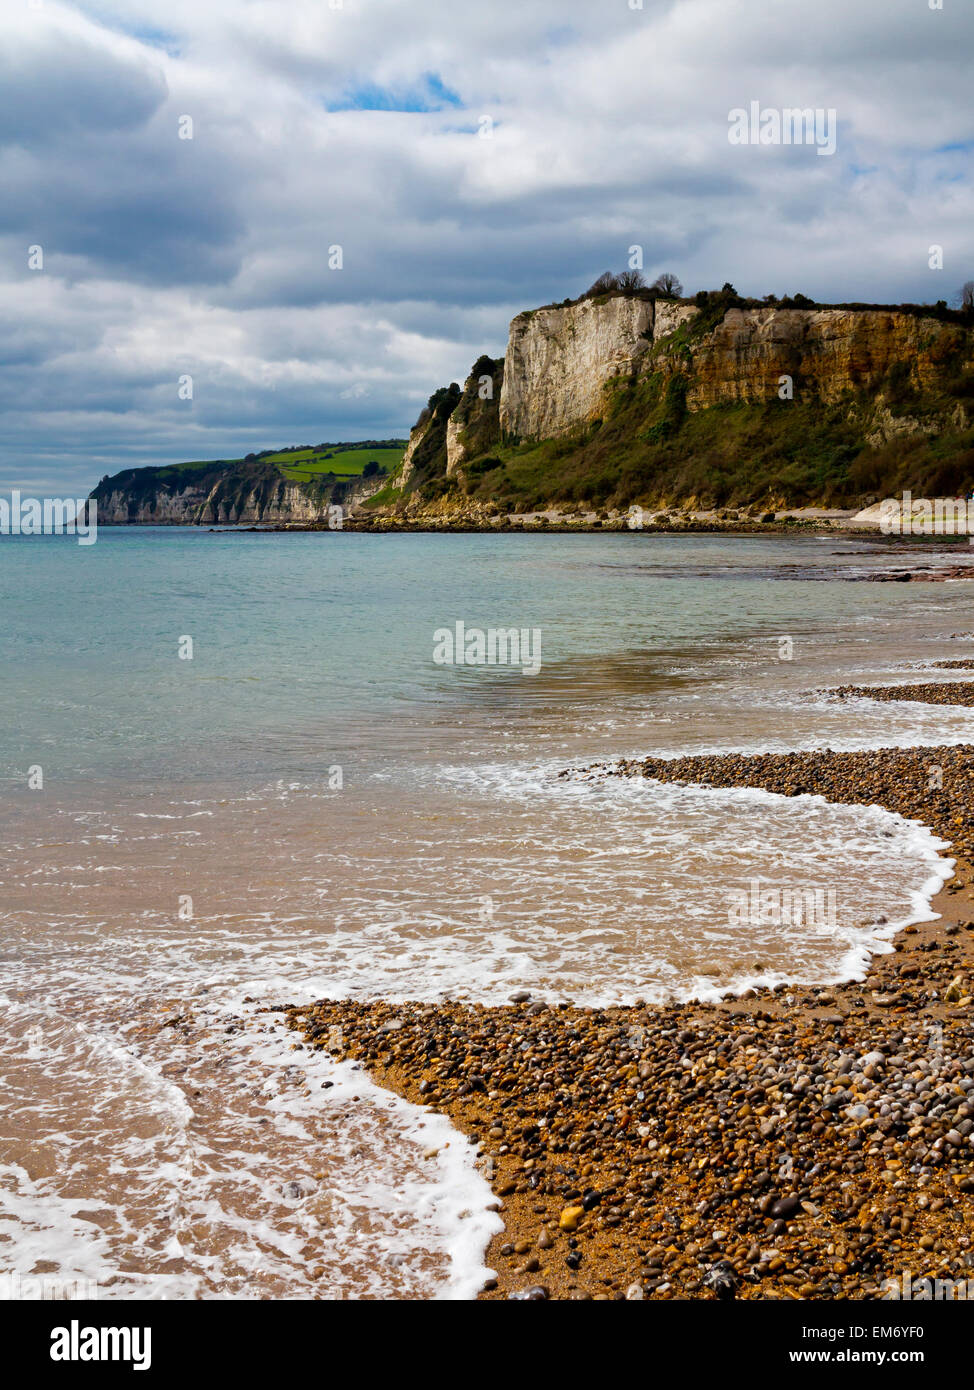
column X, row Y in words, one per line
column 221, row 495
column 827, row 352
column 558, row 361
column 193, row 506
column 623, row 398
column 474, row 427
column 416, row 436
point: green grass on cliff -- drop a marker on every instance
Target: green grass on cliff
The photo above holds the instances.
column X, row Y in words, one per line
column 651, row 449
column 301, row 465
column 385, row 497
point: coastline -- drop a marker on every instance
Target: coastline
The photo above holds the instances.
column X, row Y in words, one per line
column 808, row 1142
column 541, row 523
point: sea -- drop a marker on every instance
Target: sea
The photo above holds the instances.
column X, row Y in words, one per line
column 237, row 771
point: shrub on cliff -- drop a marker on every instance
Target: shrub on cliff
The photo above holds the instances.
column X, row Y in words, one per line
column 674, row 411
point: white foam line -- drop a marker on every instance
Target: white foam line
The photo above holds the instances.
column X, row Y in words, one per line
column 456, row 1208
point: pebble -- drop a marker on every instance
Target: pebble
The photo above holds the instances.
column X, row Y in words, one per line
column 570, row 1217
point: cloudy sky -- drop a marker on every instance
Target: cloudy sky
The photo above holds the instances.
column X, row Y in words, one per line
column 470, row 159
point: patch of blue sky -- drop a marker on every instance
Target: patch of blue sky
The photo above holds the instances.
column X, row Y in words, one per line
column 560, row 36
column 956, row 147
column 431, row 95
column 156, row 38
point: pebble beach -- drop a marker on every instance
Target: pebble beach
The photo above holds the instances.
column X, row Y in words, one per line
column 795, row 1143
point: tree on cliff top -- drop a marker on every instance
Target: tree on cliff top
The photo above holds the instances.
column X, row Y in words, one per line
column 484, row 366
column 442, row 404
column 604, row 284
column 631, row 280
column 667, row 284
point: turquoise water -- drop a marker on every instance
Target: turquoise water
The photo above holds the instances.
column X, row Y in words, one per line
column 307, row 645
column 312, row 806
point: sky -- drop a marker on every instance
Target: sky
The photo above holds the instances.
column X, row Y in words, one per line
column 188, row 170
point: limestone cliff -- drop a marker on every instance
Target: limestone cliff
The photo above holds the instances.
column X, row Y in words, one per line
column 621, row 397
column 417, row 434
column 224, row 493
column 558, row 361
column 828, row 353
column 474, row 425
column 194, row 506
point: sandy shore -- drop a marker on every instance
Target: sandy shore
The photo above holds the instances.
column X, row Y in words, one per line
column 797, row 1143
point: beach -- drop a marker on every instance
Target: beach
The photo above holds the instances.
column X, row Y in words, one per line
column 313, row 808
column 487, row 710
column 801, row 1142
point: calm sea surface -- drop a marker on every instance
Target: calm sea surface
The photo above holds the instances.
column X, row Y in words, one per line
column 312, row 806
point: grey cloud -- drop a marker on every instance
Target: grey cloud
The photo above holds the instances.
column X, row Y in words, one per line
column 210, row 255
column 54, row 84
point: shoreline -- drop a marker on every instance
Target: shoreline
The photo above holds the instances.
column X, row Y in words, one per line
column 800, row 1141
column 677, row 523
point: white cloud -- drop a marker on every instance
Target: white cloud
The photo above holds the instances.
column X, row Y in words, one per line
column 210, row 255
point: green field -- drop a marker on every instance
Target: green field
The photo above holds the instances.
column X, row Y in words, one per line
column 300, row 465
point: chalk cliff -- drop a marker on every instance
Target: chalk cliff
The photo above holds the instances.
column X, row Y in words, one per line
column 222, row 494
column 616, row 398
column 558, row 361
column 621, row 397
column 828, row 352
